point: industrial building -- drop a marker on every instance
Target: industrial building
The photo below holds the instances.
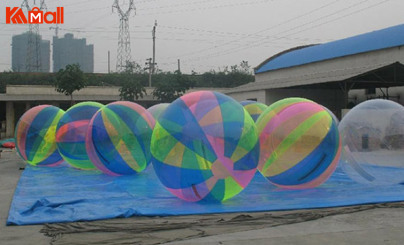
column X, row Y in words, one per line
column 19, row 53
column 69, row 50
column 338, row 74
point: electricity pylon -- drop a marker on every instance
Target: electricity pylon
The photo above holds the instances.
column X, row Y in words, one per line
column 124, row 51
column 33, row 58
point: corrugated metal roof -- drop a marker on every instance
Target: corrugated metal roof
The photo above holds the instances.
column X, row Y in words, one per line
column 310, row 78
column 376, row 40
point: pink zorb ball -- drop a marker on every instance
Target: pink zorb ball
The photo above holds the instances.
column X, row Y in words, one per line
column 118, row 138
column 35, row 136
column 299, row 144
column 71, row 134
column 204, row 147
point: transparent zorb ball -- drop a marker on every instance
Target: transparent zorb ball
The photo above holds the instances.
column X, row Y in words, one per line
column 372, row 136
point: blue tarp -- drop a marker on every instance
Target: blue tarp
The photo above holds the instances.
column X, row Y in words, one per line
column 64, row 194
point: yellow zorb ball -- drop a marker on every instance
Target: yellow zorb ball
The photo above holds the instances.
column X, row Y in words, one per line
column 299, row 144
column 35, row 136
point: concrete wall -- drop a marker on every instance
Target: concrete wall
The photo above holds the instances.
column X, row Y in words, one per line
column 25, row 94
column 260, row 96
column 90, row 90
column 10, row 121
column 49, row 90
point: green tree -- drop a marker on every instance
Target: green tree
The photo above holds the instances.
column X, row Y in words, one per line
column 132, row 89
column 172, row 87
column 133, row 67
column 245, row 68
column 69, row 80
column 226, row 76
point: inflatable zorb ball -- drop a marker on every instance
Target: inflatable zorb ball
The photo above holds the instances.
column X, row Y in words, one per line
column 35, row 136
column 204, row 147
column 118, row 139
column 373, row 142
column 156, row 110
column 254, row 108
column 299, row 144
column 71, row 134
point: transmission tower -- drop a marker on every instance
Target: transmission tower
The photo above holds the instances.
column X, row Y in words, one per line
column 123, row 54
column 33, row 58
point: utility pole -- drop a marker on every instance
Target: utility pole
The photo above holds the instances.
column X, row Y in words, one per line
column 154, row 46
column 109, row 62
column 179, row 65
column 149, row 67
column 124, row 51
column 56, row 28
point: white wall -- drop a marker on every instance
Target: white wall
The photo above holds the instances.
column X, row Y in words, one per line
column 260, row 96
column 90, row 90
column 50, row 90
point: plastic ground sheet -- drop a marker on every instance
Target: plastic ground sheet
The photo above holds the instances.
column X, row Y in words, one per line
column 65, row 194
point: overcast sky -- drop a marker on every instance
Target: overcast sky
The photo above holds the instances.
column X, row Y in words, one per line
column 209, row 34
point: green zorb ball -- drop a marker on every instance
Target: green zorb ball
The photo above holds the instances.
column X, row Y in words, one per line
column 35, row 136
column 71, row 134
column 204, row 147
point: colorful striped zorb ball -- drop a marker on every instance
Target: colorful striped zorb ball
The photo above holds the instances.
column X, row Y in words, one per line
column 71, row 134
column 254, row 108
column 35, row 136
column 118, row 139
column 204, row 147
column 300, row 144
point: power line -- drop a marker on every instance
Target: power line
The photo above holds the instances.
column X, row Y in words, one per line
column 182, row 10
column 259, row 42
column 80, row 3
column 100, row 31
column 87, row 10
column 324, row 17
column 260, row 31
column 358, row 11
column 207, row 8
column 320, row 24
column 177, row 5
column 227, row 34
